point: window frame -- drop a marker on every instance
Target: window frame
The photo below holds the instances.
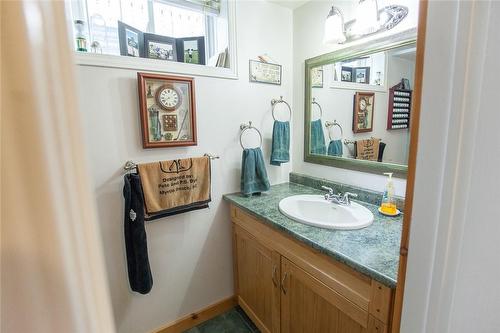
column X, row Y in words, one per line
column 161, row 66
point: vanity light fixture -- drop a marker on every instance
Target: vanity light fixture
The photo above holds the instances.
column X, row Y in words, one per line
column 334, row 27
column 369, row 20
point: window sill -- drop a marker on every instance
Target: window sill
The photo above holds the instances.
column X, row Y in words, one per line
column 152, row 65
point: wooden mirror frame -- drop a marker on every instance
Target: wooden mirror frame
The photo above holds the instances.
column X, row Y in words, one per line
column 412, row 165
column 402, row 39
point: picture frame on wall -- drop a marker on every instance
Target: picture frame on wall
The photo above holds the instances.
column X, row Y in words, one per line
column 317, row 77
column 264, row 72
column 364, row 104
column 167, row 110
column 160, row 47
column 131, row 40
column 191, row 50
column 361, row 75
column 346, row 74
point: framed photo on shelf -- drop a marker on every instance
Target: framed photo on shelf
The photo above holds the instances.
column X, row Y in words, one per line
column 264, row 72
column 160, row 47
column 191, row 50
column 317, row 77
column 131, row 40
column 362, row 120
column 168, row 110
column 405, row 84
column 346, row 74
column 361, row 75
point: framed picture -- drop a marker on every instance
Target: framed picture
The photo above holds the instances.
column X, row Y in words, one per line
column 362, row 120
column 405, row 84
column 168, row 110
column 264, row 72
column 346, row 74
column 361, row 75
column 131, row 40
column 191, row 50
column 160, row 47
column 317, row 77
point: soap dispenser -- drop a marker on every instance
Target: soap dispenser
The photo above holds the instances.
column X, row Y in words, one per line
column 388, row 206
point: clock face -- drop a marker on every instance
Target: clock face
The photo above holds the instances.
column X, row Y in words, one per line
column 168, row 97
column 362, row 105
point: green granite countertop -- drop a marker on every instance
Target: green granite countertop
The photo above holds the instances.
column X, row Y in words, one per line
column 373, row 250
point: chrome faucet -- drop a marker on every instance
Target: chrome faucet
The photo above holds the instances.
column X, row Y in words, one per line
column 339, row 198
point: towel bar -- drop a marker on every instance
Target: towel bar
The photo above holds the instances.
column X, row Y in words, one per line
column 319, row 106
column 329, row 124
column 129, row 165
column 249, row 126
column 350, row 142
column 281, row 100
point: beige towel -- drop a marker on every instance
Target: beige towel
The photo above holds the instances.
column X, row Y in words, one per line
column 367, row 149
column 175, row 185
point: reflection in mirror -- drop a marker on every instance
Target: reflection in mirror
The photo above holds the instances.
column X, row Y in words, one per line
column 189, row 31
column 360, row 107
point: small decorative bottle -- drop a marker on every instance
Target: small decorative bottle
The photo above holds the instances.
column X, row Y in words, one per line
column 81, row 41
column 378, row 80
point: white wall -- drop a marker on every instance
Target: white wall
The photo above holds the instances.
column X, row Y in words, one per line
column 453, row 266
column 190, row 254
column 308, row 26
column 337, row 104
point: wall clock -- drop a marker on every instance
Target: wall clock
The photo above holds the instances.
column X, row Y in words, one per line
column 168, row 97
column 363, row 112
column 172, row 98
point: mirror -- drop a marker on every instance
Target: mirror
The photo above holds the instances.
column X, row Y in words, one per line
column 358, row 107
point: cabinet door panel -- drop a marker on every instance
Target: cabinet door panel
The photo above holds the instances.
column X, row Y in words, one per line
column 308, row 306
column 258, row 281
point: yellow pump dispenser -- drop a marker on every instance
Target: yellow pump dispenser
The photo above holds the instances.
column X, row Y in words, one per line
column 388, row 205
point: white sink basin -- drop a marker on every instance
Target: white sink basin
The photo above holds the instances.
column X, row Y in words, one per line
column 315, row 210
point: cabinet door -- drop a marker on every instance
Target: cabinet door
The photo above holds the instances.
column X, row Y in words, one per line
column 257, row 281
column 309, row 306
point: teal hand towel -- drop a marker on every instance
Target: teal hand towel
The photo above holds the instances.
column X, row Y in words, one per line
column 317, row 138
column 253, row 172
column 335, row 148
column 280, row 148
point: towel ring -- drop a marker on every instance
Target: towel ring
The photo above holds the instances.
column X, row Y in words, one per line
column 281, row 100
column 329, row 124
column 245, row 127
column 319, row 106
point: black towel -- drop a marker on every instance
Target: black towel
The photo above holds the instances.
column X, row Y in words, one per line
column 139, row 272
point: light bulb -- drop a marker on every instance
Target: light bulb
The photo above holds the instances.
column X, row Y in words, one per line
column 367, row 19
column 334, row 28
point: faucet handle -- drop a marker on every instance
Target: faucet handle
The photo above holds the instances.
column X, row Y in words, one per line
column 348, row 195
column 329, row 189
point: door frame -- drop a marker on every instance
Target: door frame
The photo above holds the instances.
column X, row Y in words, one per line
column 412, row 164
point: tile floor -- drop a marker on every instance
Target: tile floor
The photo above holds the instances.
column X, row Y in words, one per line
column 233, row 321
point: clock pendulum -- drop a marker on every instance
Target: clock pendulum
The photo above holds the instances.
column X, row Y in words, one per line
column 154, row 123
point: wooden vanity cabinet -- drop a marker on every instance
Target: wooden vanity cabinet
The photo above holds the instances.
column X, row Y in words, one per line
column 285, row 286
column 257, row 278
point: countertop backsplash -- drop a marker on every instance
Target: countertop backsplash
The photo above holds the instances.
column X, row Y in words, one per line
column 369, row 196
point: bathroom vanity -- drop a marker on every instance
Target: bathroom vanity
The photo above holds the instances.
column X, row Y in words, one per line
column 291, row 277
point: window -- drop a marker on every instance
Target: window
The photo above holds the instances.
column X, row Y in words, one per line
column 178, row 20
